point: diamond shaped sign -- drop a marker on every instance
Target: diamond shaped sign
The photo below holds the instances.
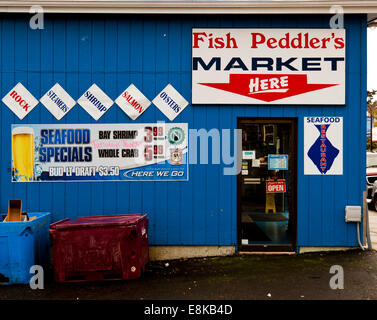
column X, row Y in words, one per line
column 58, row 101
column 95, row 102
column 20, row 101
column 170, row 102
column 133, row 102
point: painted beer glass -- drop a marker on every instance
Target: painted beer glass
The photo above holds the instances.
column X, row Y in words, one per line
column 23, row 153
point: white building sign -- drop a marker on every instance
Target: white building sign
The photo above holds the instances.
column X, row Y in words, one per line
column 95, row 102
column 133, row 102
column 58, row 101
column 323, row 145
column 20, row 101
column 268, row 66
column 170, row 102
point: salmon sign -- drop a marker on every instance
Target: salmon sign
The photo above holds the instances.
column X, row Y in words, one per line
column 277, row 186
column 268, row 66
column 133, row 102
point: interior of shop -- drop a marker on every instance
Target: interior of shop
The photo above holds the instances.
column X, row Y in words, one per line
column 264, row 194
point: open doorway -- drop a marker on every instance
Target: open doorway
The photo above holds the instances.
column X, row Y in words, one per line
column 267, row 190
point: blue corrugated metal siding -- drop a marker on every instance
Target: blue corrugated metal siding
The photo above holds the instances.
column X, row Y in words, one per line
column 115, row 51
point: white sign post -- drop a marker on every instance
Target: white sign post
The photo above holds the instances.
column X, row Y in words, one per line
column 374, row 134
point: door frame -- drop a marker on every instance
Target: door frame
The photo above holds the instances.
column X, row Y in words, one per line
column 292, row 164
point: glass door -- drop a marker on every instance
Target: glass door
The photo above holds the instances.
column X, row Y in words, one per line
column 267, row 185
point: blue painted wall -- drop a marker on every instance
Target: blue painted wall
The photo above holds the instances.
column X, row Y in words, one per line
column 152, row 51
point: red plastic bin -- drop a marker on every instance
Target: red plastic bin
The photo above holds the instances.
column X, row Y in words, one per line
column 100, row 248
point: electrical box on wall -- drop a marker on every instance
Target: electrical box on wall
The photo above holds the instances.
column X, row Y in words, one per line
column 353, row 214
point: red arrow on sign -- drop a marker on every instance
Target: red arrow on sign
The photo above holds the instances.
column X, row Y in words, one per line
column 268, row 87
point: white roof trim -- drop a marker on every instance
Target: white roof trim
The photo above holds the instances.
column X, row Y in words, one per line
column 191, row 7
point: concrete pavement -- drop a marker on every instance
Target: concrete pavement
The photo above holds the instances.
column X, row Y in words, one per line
column 238, row 277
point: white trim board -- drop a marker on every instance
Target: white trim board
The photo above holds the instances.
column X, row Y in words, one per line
column 191, row 7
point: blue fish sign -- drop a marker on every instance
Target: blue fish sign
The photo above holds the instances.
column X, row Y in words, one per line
column 322, row 152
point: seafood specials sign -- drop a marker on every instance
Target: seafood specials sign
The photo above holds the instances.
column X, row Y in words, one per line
column 268, row 66
column 323, row 145
column 99, row 152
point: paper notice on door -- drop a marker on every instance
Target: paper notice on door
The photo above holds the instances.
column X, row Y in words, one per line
column 245, row 241
column 248, row 155
column 245, row 172
column 277, row 162
column 255, row 163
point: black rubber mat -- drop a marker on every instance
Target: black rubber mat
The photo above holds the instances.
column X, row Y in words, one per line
column 252, row 232
column 267, row 216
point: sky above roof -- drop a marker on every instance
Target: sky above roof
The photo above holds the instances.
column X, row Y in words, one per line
column 372, row 61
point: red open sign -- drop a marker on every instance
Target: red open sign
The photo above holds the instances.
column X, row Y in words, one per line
column 273, row 186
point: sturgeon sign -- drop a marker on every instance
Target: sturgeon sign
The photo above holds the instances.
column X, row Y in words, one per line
column 268, row 66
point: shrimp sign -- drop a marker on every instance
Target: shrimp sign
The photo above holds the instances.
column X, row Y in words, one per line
column 268, row 66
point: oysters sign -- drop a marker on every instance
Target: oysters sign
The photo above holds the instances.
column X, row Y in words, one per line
column 268, row 66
